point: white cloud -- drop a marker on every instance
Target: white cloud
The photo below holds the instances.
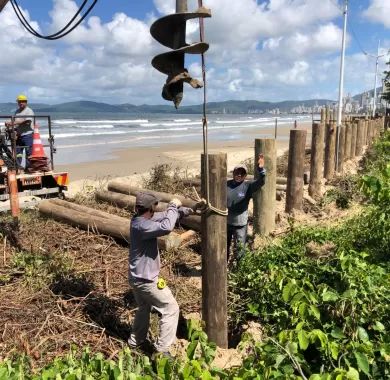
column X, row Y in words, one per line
column 258, row 50
column 379, row 11
column 297, row 75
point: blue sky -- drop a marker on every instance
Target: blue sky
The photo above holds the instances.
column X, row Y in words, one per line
column 264, row 50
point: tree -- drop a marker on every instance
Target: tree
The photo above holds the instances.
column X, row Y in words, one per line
column 386, row 89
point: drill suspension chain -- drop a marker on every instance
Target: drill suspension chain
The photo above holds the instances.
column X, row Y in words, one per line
column 170, row 31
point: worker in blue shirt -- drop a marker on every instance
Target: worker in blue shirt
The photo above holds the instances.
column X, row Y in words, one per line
column 239, row 193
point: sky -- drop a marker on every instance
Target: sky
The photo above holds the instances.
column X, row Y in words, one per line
column 259, row 50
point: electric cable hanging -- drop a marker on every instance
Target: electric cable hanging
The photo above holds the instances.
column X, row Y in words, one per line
column 61, row 33
column 205, row 128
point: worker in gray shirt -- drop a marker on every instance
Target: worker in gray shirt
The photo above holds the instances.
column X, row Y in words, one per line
column 239, row 193
column 144, row 268
column 23, row 123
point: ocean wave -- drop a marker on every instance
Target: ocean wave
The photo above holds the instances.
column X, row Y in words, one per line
column 160, row 138
column 124, row 121
column 181, row 120
column 92, row 126
column 184, row 123
column 149, row 124
column 163, row 129
column 67, row 135
column 243, row 121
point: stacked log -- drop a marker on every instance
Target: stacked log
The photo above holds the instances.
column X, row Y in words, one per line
column 128, row 202
column 98, row 221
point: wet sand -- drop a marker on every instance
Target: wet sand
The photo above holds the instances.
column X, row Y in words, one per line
column 133, row 163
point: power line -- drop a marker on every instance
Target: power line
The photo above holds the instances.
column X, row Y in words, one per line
column 62, row 32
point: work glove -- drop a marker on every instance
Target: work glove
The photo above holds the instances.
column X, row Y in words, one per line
column 201, row 205
column 176, row 202
column 185, row 211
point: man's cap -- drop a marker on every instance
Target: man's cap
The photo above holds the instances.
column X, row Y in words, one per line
column 145, row 200
column 240, row 166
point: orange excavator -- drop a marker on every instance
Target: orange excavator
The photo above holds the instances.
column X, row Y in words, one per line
column 40, row 180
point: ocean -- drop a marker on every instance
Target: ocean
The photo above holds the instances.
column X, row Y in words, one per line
column 87, row 138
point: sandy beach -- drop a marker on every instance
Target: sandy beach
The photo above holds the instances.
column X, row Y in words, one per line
column 134, row 163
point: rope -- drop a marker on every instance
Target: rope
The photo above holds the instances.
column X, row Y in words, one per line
column 205, row 206
column 205, row 130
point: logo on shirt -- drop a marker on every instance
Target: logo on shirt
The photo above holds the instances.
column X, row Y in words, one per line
column 241, row 194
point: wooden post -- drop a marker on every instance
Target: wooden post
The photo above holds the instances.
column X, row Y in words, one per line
column 347, row 143
column 13, row 194
column 296, row 167
column 335, row 115
column 214, row 255
column 264, row 201
column 369, row 132
column 316, row 159
column 327, row 114
column 353, row 139
column 364, row 132
column 359, row 138
column 330, row 145
column 276, row 128
column 382, row 124
column 323, row 115
column 341, row 160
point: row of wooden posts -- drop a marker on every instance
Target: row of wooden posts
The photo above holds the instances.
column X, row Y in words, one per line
column 326, row 160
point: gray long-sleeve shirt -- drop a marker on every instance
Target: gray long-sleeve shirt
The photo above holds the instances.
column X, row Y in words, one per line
column 238, row 197
column 144, row 256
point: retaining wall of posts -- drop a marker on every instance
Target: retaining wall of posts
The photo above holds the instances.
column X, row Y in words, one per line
column 295, row 171
column 316, row 159
column 264, row 200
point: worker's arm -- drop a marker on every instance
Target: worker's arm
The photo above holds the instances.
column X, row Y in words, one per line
column 20, row 120
column 161, row 225
column 259, row 182
column 185, row 211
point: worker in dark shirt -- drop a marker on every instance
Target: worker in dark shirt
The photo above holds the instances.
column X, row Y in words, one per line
column 239, row 193
column 144, row 268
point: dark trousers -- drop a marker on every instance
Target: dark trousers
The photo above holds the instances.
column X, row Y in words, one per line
column 237, row 235
column 24, row 143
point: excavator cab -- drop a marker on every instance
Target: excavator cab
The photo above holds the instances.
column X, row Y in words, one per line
column 40, row 181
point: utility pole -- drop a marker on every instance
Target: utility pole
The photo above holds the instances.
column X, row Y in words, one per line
column 341, row 83
column 376, row 77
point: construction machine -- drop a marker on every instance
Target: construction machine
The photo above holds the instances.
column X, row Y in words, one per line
column 16, row 183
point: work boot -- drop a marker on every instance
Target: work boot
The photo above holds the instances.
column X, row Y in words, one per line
column 145, row 347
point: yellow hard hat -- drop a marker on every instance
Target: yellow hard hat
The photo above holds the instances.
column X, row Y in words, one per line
column 21, row 98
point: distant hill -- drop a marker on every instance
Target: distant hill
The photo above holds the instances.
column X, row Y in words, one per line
column 230, row 106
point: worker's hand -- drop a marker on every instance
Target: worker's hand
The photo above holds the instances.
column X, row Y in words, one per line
column 201, row 205
column 260, row 161
column 176, row 202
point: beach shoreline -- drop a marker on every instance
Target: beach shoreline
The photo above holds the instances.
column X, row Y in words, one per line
column 133, row 164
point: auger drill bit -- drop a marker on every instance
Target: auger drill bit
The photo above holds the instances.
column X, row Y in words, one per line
column 170, row 31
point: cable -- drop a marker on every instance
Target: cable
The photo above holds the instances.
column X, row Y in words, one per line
column 33, row 31
column 357, row 39
column 61, row 33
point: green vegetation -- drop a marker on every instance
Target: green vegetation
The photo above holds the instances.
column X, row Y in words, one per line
column 321, row 295
column 386, row 94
